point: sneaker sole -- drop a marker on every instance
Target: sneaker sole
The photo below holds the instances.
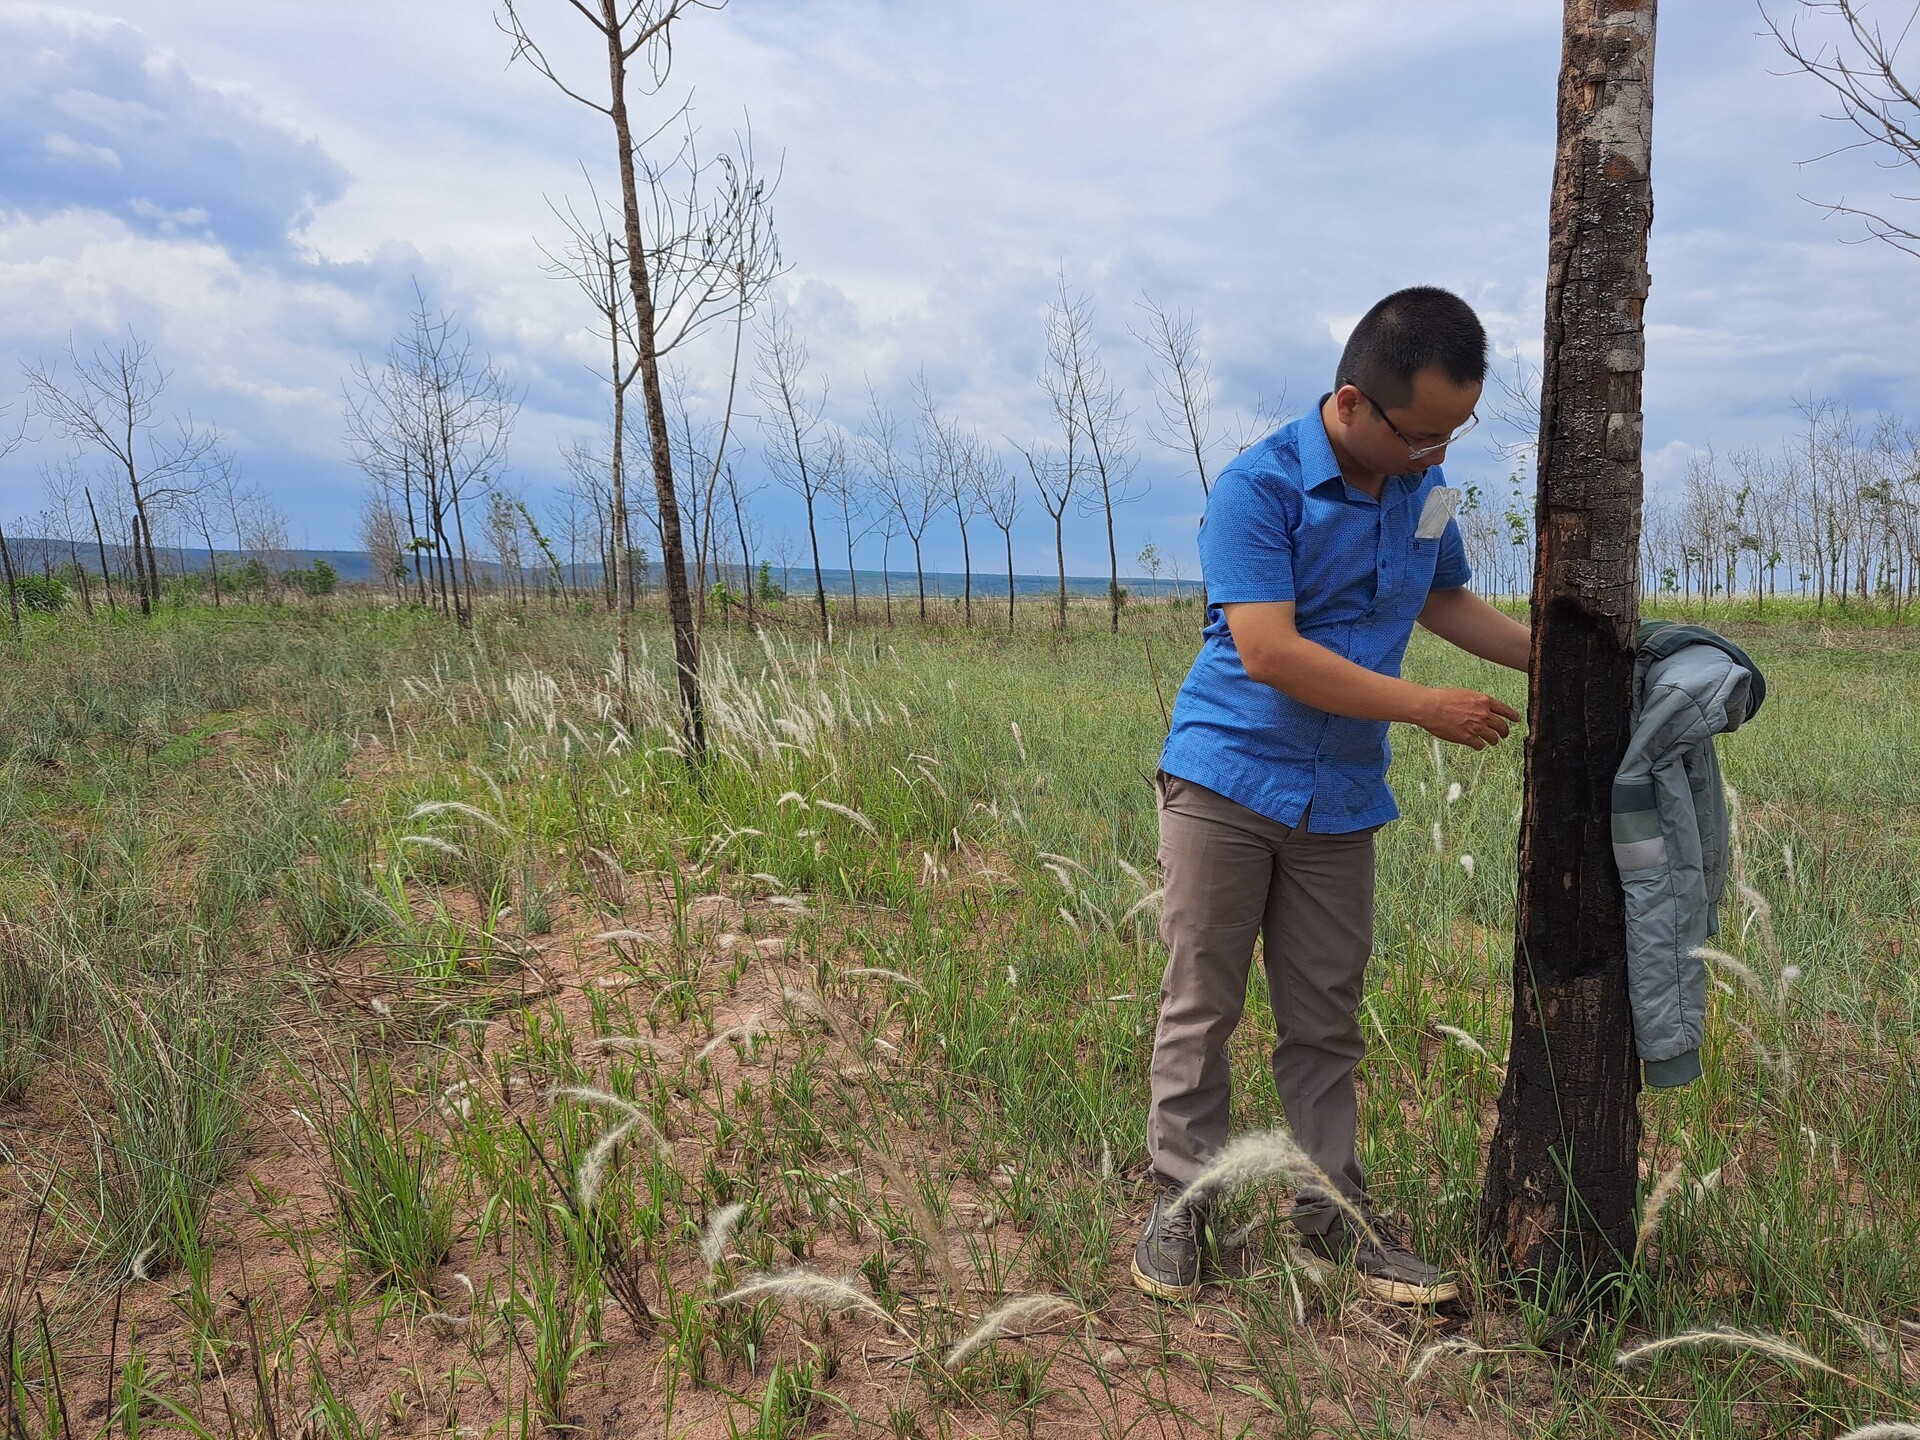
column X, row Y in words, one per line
column 1399, row 1292
column 1160, row 1289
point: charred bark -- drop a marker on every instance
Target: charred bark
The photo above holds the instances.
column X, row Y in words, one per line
column 1562, row 1175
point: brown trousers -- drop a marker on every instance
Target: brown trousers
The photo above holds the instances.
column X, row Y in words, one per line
column 1231, row 874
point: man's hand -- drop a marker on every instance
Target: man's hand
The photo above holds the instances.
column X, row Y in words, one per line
column 1466, row 717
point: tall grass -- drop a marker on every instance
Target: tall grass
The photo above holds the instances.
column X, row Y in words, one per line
column 880, row 978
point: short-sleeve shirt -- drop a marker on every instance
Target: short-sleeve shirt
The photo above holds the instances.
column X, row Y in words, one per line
column 1281, row 524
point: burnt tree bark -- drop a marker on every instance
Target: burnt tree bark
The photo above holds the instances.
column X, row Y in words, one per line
column 1562, row 1175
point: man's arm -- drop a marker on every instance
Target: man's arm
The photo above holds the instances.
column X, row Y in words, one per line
column 1275, row 653
column 1462, row 618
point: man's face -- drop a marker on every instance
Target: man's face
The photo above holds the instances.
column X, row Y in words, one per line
column 1403, row 439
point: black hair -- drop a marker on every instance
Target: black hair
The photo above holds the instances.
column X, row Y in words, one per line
column 1410, row 331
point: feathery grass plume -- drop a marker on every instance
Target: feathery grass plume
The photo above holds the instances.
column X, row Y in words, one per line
column 1885, row 1430
column 1022, row 1310
column 588, row 1177
column 434, row 842
column 1467, row 864
column 719, row 1231
column 1736, row 967
column 810, row 1287
column 1664, row 1191
column 793, row 797
column 1453, row 793
column 456, row 807
column 876, row 972
column 1059, row 873
column 609, row 937
column 1462, row 1039
column 1433, row 1352
column 1019, row 741
column 1439, row 839
column 1770, row 1345
column 1261, row 1156
column 748, row 1030
column 850, row 813
column 1149, row 901
column 789, row 904
column 1067, row 860
column 772, row 882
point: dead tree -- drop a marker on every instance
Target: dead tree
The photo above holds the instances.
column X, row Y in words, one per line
column 110, row 403
column 1183, row 387
column 1088, row 403
column 1562, row 1175
column 902, row 485
column 1053, row 480
column 430, row 424
column 840, row 479
column 999, row 490
column 792, row 421
column 1858, row 61
column 940, row 450
column 690, row 229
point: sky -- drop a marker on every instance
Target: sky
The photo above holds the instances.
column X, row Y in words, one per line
column 258, row 189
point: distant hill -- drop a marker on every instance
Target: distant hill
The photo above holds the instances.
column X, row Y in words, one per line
column 33, row 555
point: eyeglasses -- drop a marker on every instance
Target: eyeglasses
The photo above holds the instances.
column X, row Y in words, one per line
column 1418, row 452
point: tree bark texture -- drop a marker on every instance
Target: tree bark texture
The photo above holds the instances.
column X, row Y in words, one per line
column 673, row 555
column 1562, row 1175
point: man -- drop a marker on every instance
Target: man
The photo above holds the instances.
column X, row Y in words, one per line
column 1321, row 547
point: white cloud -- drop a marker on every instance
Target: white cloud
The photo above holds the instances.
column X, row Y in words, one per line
column 1272, row 168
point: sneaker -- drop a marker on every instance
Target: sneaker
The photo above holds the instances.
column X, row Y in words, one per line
column 1166, row 1262
column 1384, row 1267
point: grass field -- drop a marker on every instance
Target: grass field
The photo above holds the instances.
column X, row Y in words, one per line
column 395, row 1044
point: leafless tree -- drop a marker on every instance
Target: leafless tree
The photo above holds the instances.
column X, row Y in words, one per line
column 1183, row 386
column 943, row 460
column 840, row 479
column 1858, row 59
column 430, row 425
column 998, row 487
column 792, row 422
column 110, row 402
column 692, row 244
column 64, row 489
column 1087, row 398
column 1053, row 474
column 9, row 442
column 380, row 537
column 901, row 484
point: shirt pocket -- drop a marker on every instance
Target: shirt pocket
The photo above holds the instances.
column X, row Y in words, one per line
column 1418, row 563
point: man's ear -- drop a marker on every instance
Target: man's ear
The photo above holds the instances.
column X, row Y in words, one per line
column 1346, row 400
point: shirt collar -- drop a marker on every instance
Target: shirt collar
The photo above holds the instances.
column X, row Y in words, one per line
column 1318, row 464
column 1320, row 467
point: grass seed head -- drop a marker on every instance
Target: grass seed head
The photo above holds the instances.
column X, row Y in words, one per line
column 810, row 1287
column 1022, row 1310
column 1772, row 1345
column 719, row 1232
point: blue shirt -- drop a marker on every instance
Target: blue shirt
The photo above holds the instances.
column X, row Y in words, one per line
column 1281, row 524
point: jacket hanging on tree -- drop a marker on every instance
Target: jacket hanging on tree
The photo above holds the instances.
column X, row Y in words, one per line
column 1670, row 831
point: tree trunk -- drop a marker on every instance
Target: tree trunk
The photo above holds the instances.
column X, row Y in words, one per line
column 673, row 558
column 1009, row 535
column 1562, row 1175
column 13, row 595
column 1060, row 562
column 966, row 571
column 819, row 578
column 100, row 542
